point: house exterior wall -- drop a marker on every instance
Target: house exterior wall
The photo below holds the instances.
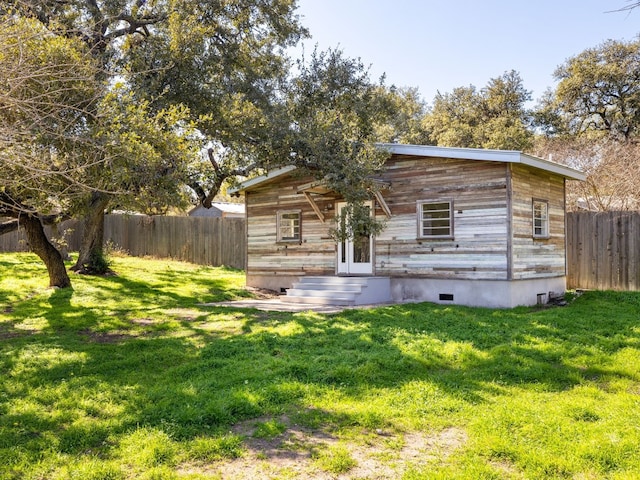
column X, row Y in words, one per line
column 276, row 265
column 537, row 257
column 477, row 293
column 492, row 259
column 479, row 247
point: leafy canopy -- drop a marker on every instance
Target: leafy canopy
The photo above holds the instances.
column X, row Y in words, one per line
column 599, row 92
column 46, row 92
column 337, row 113
column 493, row 117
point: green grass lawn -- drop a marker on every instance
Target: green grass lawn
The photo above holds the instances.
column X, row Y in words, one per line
column 130, row 377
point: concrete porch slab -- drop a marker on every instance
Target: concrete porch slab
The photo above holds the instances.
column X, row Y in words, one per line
column 275, row 305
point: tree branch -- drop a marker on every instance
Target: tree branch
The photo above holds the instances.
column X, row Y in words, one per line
column 13, row 225
column 220, row 176
column 632, row 4
column 136, row 25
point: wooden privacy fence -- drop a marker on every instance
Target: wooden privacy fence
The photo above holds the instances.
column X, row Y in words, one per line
column 200, row 240
column 65, row 233
column 603, row 250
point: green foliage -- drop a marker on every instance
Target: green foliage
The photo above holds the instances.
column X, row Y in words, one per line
column 185, row 64
column 494, row 117
column 46, row 88
column 598, row 92
column 355, row 221
column 269, row 429
column 223, row 61
column 148, row 447
column 406, row 114
column 216, row 448
column 337, row 114
column 591, row 121
column 98, row 263
column 148, row 151
column 91, row 469
column 336, row 107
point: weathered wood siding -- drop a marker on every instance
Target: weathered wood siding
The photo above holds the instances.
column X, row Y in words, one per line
column 479, row 194
column 537, row 257
column 315, row 255
column 492, row 224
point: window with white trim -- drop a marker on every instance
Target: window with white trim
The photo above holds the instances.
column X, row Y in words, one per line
column 288, row 226
column 435, row 219
column 540, row 212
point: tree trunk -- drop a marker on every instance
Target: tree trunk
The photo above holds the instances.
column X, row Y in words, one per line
column 41, row 246
column 91, row 255
column 61, row 245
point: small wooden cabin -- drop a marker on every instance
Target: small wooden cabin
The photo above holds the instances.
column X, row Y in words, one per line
column 464, row 226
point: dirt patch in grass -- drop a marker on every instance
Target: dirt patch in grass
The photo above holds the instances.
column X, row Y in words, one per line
column 293, row 454
column 9, row 335
column 186, row 314
column 505, row 467
column 14, row 330
column 105, row 337
column 143, row 321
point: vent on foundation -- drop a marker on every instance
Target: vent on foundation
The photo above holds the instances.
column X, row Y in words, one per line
column 446, row 296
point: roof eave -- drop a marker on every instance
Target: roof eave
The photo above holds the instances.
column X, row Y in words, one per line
column 260, row 179
column 505, row 156
column 451, row 152
column 552, row 167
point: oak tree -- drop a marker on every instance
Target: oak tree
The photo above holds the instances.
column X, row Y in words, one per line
column 337, row 115
column 592, row 121
column 599, row 91
column 211, row 61
column 46, row 89
column 492, row 117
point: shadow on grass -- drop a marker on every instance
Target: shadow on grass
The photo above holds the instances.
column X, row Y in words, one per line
column 62, row 390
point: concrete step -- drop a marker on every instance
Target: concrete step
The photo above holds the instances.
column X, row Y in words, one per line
column 340, row 291
column 343, row 287
column 315, row 300
column 323, row 292
column 336, row 280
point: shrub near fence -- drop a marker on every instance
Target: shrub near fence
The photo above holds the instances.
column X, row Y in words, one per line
column 603, row 250
column 200, row 240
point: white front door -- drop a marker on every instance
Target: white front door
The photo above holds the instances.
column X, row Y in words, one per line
column 355, row 255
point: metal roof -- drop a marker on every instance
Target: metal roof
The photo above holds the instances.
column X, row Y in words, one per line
column 505, row 156
column 480, row 154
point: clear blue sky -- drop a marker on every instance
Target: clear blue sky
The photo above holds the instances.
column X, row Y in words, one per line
column 437, row 45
